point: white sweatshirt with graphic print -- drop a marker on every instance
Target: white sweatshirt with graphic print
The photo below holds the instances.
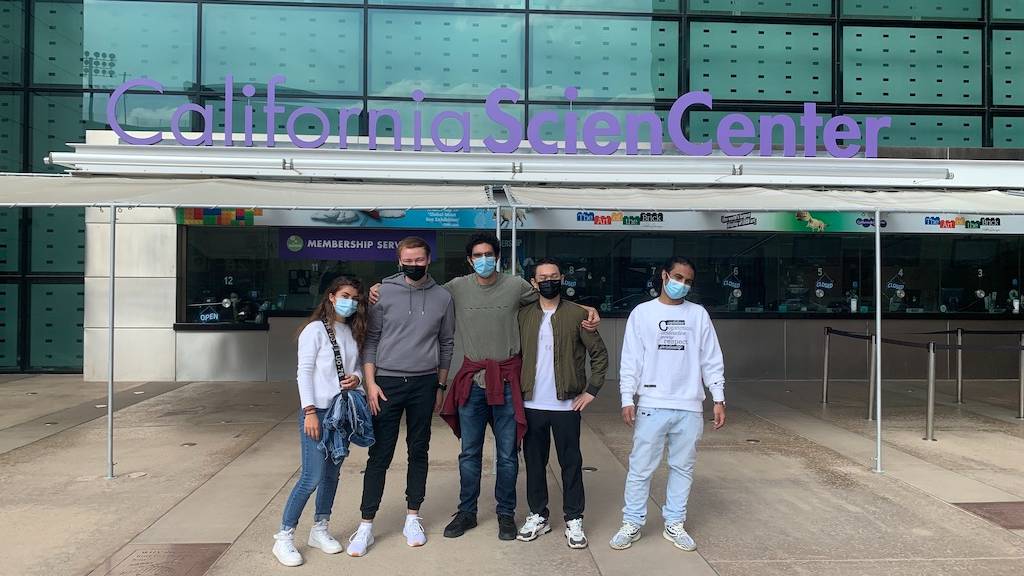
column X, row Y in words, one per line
column 669, row 353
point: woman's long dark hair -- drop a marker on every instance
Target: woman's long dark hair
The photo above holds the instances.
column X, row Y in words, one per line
column 324, row 311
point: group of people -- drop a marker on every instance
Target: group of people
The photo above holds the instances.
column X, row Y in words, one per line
column 524, row 373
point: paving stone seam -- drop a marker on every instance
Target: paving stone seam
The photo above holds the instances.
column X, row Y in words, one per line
column 190, row 493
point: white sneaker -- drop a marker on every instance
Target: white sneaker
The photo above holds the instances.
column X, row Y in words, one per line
column 320, row 538
column 413, row 531
column 625, row 537
column 361, row 541
column 284, row 548
column 574, row 535
column 678, row 536
column 534, row 526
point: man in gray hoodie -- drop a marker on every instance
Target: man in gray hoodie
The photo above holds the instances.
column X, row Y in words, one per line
column 408, row 350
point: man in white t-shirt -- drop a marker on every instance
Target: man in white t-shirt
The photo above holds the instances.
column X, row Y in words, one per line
column 555, row 391
column 669, row 353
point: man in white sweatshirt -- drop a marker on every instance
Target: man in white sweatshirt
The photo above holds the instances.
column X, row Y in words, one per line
column 669, row 353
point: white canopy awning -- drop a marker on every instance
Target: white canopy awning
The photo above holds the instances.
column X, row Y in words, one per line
column 42, row 190
column 767, row 200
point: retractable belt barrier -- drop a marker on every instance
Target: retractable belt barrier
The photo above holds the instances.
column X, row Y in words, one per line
column 931, row 347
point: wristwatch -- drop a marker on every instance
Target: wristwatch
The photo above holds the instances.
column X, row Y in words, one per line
column 722, row 403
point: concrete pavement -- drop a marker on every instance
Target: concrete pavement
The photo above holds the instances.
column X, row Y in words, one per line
column 204, row 469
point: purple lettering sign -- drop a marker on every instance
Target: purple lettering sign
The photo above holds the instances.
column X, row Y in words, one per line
column 603, row 132
column 344, row 244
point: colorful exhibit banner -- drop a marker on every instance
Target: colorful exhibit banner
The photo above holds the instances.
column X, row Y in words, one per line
column 424, row 219
column 344, row 245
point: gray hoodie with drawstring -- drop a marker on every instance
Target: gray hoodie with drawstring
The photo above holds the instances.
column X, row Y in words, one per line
column 411, row 329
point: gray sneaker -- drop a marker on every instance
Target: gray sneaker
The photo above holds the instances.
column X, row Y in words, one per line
column 678, row 536
column 625, row 537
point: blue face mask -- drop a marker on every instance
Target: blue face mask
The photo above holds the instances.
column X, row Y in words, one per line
column 484, row 266
column 345, row 307
column 676, row 290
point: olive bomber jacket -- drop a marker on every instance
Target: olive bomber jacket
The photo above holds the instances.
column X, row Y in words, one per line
column 571, row 345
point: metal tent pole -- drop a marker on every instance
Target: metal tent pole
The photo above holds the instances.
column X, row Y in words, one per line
column 497, row 232
column 110, row 344
column 959, row 366
column 824, row 377
column 514, row 230
column 878, row 345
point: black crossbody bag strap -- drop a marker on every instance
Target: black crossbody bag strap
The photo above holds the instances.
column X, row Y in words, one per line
column 337, row 352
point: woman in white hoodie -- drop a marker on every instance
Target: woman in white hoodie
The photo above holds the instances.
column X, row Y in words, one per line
column 342, row 310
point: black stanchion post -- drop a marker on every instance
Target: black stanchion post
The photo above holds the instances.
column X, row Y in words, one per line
column 871, row 380
column 929, row 430
column 1020, row 409
column 824, row 378
column 959, row 366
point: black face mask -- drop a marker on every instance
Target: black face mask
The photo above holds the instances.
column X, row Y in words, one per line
column 550, row 288
column 414, row 273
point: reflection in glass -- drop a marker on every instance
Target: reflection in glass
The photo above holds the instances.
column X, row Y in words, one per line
column 444, row 54
column 480, row 126
column 101, row 43
column 58, row 119
column 606, row 58
column 607, row 5
column 318, row 50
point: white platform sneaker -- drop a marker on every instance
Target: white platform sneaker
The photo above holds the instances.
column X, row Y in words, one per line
column 284, row 548
column 320, row 538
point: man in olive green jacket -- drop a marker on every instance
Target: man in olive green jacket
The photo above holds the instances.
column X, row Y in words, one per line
column 555, row 391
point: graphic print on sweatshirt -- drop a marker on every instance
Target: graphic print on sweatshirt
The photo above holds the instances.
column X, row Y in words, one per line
column 672, row 335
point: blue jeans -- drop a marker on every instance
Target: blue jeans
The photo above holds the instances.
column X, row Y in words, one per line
column 681, row 429
column 319, row 474
column 474, row 416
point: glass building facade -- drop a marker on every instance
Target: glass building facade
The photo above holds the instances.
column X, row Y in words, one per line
column 950, row 73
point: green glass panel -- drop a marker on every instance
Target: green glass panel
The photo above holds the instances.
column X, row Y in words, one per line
column 1007, row 10
column 10, row 239
column 59, row 119
column 453, row 54
column 55, row 334
column 607, row 5
column 912, row 65
column 454, row 3
column 58, row 240
column 552, row 132
column 914, row 9
column 9, row 325
column 912, row 130
column 767, row 7
column 100, row 44
column 12, row 41
column 480, row 125
column 1008, row 132
column 305, row 124
column 606, row 58
column 737, row 61
column 318, row 50
column 1008, row 67
column 11, row 123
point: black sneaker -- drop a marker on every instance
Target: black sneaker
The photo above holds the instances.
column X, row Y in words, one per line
column 507, row 527
column 461, row 522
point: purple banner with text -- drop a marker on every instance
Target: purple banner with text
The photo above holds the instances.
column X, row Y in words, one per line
column 344, row 244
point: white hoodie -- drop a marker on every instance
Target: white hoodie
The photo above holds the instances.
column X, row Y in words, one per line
column 669, row 352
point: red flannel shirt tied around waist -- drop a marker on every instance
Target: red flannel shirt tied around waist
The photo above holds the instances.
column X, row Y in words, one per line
column 495, row 375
